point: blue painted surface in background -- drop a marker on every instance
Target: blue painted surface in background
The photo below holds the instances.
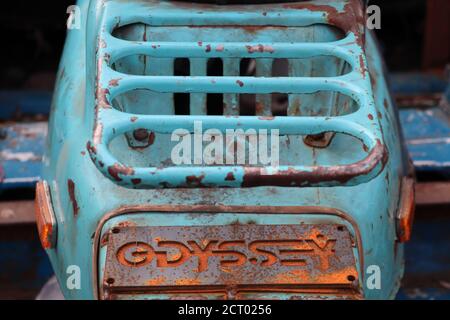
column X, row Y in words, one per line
column 14, row 103
column 24, row 267
column 21, row 154
column 414, row 83
column 427, row 134
column 427, row 273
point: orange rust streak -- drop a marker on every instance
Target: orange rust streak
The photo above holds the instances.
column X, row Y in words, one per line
column 44, row 216
column 406, row 210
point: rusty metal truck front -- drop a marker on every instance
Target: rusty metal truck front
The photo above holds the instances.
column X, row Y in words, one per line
column 244, row 151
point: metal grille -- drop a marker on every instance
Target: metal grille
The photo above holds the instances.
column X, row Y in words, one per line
column 111, row 122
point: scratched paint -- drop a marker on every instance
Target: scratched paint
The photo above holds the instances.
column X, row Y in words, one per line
column 84, row 96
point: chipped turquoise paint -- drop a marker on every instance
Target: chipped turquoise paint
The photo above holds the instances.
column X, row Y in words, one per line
column 112, row 123
column 370, row 199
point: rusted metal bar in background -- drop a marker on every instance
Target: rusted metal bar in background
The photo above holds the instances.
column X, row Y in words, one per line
column 17, row 212
column 429, row 193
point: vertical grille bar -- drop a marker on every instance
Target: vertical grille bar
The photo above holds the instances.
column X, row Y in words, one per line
column 198, row 100
column 161, row 103
column 230, row 100
column 263, row 102
column 296, row 69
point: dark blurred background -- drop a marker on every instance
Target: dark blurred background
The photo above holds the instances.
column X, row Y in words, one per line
column 34, row 32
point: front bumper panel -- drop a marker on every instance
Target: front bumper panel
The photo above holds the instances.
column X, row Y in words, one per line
column 230, row 261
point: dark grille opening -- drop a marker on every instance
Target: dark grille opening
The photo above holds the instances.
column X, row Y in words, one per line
column 181, row 100
column 280, row 101
column 214, row 101
column 279, row 104
column 247, row 102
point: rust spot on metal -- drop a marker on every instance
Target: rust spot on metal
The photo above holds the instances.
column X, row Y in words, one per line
column 365, row 148
column 126, row 223
column 240, row 83
column 91, row 148
column 114, row 82
column 104, row 239
column 117, row 169
column 321, row 140
column 136, row 181
column 156, row 281
column 351, row 19
column 220, row 48
column 379, row 115
column 341, row 174
column 260, row 48
column 385, row 103
column 266, row 118
column 151, row 138
column 230, row 177
column 194, row 180
column 133, row 119
column 373, row 80
column 259, row 108
column 98, row 132
column 406, row 210
column 370, row 116
column 102, row 98
column 71, row 190
column 208, row 48
column 200, row 43
column 362, row 65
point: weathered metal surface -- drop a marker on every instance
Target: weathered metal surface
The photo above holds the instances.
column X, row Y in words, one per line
column 114, row 81
column 199, row 32
column 194, row 221
column 229, row 259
